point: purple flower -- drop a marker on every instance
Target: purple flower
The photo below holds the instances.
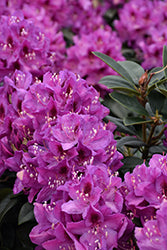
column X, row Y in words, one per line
column 153, row 234
column 100, row 229
column 87, row 64
column 146, row 187
column 141, row 26
column 27, row 177
column 50, row 233
column 67, row 130
column 165, row 140
column 82, row 194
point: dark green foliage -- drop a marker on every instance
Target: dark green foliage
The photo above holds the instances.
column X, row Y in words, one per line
column 16, row 221
column 138, row 108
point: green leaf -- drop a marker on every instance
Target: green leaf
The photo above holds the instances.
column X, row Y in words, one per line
column 158, row 149
column 8, row 235
column 117, row 110
column 23, row 232
column 117, row 82
column 156, row 101
column 8, row 205
column 26, row 213
column 134, row 70
column 130, row 141
column 4, row 192
column 156, row 79
column 130, row 102
column 163, row 90
column 164, row 110
column 149, row 109
column 130, row 163
column 120, row 126
column 165, row 58
column 135, row 120
column 128, row 53
column 115, row 66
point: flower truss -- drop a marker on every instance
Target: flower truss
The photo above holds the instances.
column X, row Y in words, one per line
column 141, row 25
column 145, row 198
column 65, row 157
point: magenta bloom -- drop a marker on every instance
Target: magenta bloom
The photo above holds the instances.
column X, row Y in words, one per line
column 82, row 61
column 100, row 228
column 153, row 235
column 146, row 187
column 143, row 28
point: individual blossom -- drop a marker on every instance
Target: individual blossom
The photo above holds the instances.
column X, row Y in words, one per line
column 153, row 234
column 100, row 229
column 84, row 193
column 50, row 232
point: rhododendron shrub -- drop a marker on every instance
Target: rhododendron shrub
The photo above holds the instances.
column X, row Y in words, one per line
column 83, row 141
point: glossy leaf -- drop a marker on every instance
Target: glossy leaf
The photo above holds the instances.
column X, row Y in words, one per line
column 163, row 90
column 117, row 82
column 134, row 69
column 158, row 149
column 5, row 194
column 8, row 235
column 23, row 232
column 135, row 120
column 129, row 163
column 8, row 206
column 26, row 213
column 156, row 79
column 130, row 141
column 156, row 101
column 120, row 126
column 115, row 66
column 130, row 102
column 164, row 110
column 165, row 58
column 149, row 109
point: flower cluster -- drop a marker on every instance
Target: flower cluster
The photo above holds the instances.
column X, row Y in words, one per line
column 145, row 198
column 84, row 214
column 36, row 34
column 65, row 157
column 25, row 47
column 141, row 25
column 84, row 62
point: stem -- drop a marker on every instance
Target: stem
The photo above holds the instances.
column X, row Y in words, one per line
column 160, row 134
column 145, row 152
column 144, row 131
column 159, row 70
column 151, row 134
